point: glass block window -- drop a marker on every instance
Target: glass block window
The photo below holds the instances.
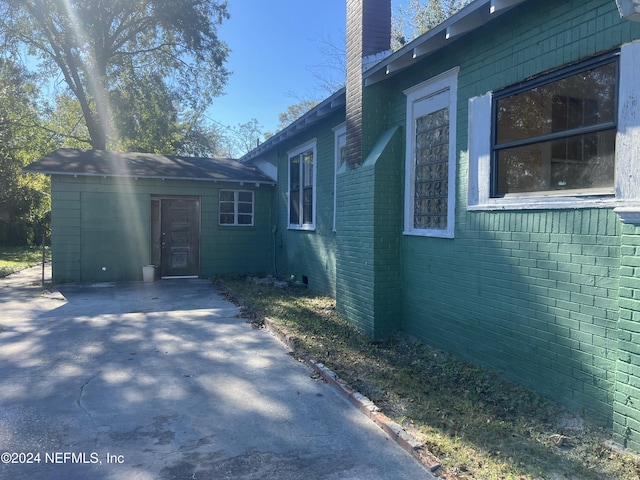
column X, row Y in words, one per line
column 236, row 207
column 431, row 157
column 432, row 171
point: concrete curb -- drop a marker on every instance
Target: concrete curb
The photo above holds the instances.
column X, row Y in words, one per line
column 364, row 404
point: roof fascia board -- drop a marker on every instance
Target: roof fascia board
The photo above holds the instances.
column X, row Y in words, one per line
column 151, row 177
column 498, row 5
column 467, row 24
column 321, row 110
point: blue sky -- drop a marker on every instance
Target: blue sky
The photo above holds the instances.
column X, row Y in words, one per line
column 274, row 45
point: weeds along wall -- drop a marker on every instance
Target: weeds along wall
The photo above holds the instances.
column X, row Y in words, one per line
column 531, row 293
column 107, row 222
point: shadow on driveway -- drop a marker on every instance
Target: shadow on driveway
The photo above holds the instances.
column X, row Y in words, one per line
column 165, row 381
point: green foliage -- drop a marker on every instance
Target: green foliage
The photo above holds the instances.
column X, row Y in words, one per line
column 294, row 112
column 234, row 142
column 248, row 136
column 65, row 124
column 145, row 114
column 199, row 139
column 24, row 200
column 108, row 52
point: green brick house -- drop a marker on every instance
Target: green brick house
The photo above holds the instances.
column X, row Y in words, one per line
column 480, row 190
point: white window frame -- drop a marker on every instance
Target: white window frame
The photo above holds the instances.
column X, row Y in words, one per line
column 299, row 150
column 340, row 142
column 627, row 170
column 445, row 82
column 236, row 210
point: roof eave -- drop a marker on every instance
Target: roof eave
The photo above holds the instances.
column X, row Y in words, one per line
column 320, row 111
column 474, row 15
column 150, row 177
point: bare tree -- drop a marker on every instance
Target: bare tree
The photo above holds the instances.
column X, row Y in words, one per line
column 330, row 75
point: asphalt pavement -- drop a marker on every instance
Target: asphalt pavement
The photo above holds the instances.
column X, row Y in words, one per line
column 164, row 380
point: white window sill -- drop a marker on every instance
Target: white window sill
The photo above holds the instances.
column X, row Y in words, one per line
column 629, row 214
column 544, row 203
column 429, row 233
column 627, row 170
column 305, row 228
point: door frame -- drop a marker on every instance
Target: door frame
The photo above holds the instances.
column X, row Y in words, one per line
column 156, row 230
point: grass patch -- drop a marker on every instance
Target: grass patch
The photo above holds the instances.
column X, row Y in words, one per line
column 479, row 425
column 14, row 259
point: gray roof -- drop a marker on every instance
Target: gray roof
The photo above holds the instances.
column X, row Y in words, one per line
column 98, row 163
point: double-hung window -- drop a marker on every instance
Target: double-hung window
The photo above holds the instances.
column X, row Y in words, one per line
column 431, row 157
column 302, row 187
column 236, row 208
column 556, row 135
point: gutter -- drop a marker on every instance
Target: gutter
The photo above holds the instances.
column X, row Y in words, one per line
column 152, row 177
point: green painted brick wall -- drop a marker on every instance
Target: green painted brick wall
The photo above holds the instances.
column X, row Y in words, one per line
column 311, row 254
column 103, row 221
column 537, row 300
column 533, row 294
column 626, row 411
column 369, row 284
column 387, row 244
column 355, row 253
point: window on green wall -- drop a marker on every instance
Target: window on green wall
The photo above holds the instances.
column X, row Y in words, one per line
column 302, row 187
column 431, row 157
column 236, row 208
column 556, row 134
column 566, row 138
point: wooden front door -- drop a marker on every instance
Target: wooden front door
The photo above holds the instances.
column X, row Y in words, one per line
column 179, row 240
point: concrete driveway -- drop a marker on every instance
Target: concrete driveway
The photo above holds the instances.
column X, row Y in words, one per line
column 164, row 381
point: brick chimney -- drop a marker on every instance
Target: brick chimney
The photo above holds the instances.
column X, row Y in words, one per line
column 368, row 33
